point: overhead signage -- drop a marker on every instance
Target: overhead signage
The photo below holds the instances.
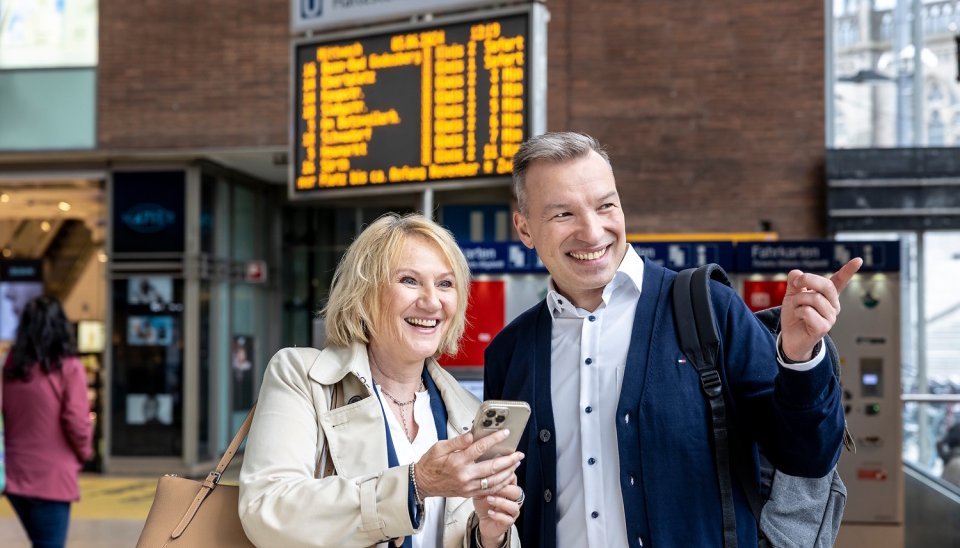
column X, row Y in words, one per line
column 515, row 258
column 681, row 255
column 308, row 15
column 501, row 258
column 745, row 257
column 816, row 256
column 423, row 104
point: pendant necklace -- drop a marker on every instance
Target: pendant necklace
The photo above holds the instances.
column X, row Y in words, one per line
column 401, row 404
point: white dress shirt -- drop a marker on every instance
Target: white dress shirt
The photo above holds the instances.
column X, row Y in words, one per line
column 588, row 357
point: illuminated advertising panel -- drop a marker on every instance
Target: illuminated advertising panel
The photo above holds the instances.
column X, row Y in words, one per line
column 48, row 33
column 418, row 104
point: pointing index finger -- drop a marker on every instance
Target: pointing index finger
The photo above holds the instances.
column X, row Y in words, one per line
column 846, row 272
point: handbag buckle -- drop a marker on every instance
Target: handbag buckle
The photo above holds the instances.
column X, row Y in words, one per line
column 213, row 479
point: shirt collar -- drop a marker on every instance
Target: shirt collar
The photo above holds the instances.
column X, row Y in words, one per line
column 629, row 275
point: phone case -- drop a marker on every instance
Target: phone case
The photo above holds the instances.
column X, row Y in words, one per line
column 495, row 415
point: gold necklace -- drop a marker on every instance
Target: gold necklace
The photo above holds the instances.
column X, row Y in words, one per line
column 401, row 404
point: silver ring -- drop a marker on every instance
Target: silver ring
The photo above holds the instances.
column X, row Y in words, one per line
column 484, row 484
column 523, row 497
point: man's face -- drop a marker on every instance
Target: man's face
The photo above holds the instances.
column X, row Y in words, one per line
column 575, row 222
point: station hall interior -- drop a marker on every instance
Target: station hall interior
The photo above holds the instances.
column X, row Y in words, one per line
column 184, row 176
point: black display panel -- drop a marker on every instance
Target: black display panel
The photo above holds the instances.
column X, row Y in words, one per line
column 147, row 378
column 420, row 105
column 148, row 211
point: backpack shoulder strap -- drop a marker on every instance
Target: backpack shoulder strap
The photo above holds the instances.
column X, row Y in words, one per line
column 700, row 343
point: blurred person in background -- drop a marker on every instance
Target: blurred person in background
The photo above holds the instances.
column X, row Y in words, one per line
column 949, row 450
column 406, row 471
column 47, row 423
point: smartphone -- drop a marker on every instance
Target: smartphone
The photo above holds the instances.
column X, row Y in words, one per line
column 495, row 415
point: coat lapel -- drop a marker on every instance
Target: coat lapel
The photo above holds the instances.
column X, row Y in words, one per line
column 355, row 431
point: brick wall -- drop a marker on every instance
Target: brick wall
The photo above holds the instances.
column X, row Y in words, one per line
column 193, row 73
column 713, row 112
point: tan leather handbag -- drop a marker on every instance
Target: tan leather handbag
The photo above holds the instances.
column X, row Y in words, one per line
column 188, row 513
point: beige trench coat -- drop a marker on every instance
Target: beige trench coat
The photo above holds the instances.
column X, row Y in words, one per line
column 365, row 503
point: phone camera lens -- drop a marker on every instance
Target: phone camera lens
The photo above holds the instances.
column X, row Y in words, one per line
column 487, row 423
column 491, row 413
column 500, row 418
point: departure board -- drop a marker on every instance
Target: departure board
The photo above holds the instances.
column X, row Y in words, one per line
column 422, row 105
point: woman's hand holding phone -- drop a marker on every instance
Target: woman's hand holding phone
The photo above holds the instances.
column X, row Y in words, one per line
column 450, row 468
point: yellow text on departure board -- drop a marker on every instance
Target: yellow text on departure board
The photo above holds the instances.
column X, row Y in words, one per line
column 469, row 116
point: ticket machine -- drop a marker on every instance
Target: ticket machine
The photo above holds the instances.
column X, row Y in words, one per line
column 867, row 335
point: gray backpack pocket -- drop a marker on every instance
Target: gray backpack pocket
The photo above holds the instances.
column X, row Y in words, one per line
column 803, row 512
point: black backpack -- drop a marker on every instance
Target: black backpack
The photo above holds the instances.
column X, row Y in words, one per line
column 789, row 510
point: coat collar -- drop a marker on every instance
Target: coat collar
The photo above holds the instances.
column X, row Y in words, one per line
column 335, row 363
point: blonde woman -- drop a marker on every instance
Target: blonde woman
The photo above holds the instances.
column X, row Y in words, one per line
column 405, row 461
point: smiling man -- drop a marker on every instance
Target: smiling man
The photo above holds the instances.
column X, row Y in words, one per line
column 618, row 447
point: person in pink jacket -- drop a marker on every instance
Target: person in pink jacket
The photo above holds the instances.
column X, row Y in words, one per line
column 47, row 422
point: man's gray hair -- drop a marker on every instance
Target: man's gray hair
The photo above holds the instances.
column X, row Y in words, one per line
column 553, row 147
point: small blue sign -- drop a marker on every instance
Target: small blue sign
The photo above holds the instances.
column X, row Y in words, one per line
column 501, row 258
column 816, row 256
column 681, row 255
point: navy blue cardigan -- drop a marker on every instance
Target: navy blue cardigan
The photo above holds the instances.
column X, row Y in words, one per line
column 667, row 477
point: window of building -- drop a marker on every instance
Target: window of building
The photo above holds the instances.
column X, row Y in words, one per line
column 893, row 83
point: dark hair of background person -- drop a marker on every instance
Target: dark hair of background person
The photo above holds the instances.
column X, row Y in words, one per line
column 950, row 441
column 43, row 337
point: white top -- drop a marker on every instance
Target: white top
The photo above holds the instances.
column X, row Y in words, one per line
column 431, row 532
column 589, row 501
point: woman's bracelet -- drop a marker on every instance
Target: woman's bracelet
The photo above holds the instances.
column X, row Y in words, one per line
column 476, row 538
column 413, row 480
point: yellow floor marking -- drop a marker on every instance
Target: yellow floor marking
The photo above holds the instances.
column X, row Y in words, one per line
column 107, row 498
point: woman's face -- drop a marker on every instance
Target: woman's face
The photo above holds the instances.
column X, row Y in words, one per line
column 417, row 304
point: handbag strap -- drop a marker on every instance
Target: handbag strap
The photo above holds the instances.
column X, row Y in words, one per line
column 213, row 478
column 329, row 469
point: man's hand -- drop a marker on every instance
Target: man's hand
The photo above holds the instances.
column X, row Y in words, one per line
column 810, row 308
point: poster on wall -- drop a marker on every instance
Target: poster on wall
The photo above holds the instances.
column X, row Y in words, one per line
column 13, row 297
column 241, row 371
column 91, row 336
column 48, row 33
column 150, row 409
column 154, row 291
column 150, row 330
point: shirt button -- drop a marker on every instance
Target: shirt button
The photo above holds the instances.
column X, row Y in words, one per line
column 589, row 409
column 632, row 481
column 592, row 318
column 591, row 461
column 588, row 361
column 544, row 435
column 547, row 495
column 594, row 514
column 626, row 418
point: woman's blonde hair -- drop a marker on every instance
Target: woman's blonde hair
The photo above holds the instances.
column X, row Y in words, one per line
column 354, row 306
